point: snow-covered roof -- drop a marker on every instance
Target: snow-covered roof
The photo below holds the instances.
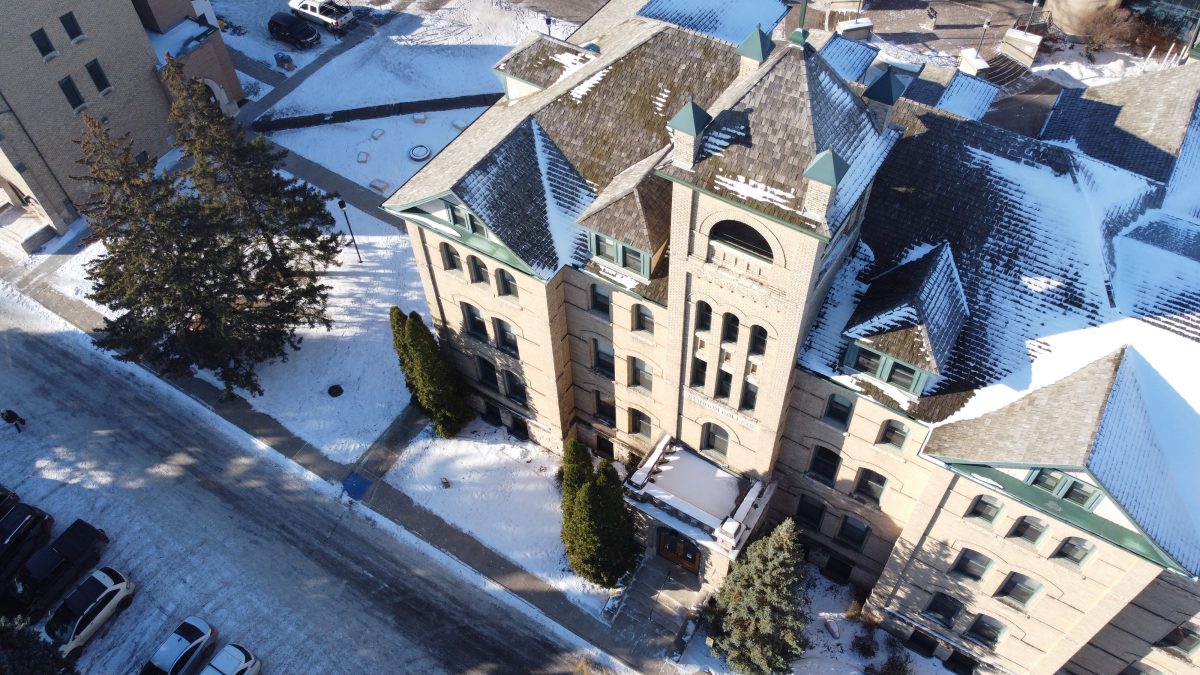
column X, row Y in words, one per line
column 694, row 486
column 731, row 22
column 849, row 58
column 543, row 60
column 757, row 148
column 1183, row 197
column 968, row 96
column 178, row 39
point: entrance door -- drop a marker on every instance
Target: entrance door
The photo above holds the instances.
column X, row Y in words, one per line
column 678, row 549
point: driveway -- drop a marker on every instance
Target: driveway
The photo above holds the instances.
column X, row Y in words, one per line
column 207, row 523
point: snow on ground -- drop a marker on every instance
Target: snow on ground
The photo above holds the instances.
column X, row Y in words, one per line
column 1071, row 67
column 71, row 279
column 252, row 88
column 502, row 491
column 827, row 655
column 337, row 146
column 246, row 31
column 447, row 53
column 357, row 353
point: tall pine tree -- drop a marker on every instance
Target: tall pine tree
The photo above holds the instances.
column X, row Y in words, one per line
column 598, row 527
column 398, row 318
column 760, row 611
column 198, row 272
column 23, row 651
column 435, row 383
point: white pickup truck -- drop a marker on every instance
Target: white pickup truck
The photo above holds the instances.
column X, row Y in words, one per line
column 333, row 15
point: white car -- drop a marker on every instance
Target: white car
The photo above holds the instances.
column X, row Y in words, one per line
column 332, row 14
column 84, row 612
column 234, row 659
column 191, row 643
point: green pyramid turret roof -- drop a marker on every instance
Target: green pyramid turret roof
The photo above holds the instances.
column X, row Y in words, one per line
column 691, row 119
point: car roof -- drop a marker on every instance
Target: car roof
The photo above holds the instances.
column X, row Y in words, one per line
column 189, row 631
column 11, row 522
column 229, row 659
column 284, row 17
column 42, row 563
column 75, row 541
column 85, row 595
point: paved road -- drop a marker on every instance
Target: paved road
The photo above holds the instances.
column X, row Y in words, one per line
column 206, row 525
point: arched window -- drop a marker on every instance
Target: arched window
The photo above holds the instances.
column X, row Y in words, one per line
column 715, row 439
column 742, row 237
column 1074, row 549
column 758, row 340
column 479, row 271
column 450, row 259
column 824, row 467
column 703, row 316
column 1019, row 588
column 639, row 423
column 506, row 284
column 985, row 508
column 1029, row 528
column 893, row 433
column 972, row 564
column 986, row 630
column 870, row 486
column 643, row 319
column 729, row 328
column 837, row 411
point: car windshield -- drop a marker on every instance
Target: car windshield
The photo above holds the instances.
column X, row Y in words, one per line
column 189, row 632
column 60, row 626
column 85, row 595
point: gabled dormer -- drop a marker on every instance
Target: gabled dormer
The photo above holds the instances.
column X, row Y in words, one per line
column 908, row 321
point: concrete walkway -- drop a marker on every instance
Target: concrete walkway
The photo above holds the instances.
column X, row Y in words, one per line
column 381, row 498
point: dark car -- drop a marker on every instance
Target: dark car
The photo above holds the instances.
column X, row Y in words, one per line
column 8, row 499
column 23, row 530
column 293, row 30
column 51, row 569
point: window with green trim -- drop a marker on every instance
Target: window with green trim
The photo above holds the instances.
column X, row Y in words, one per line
column 1065, row 487
column 1074, row 549
column 631, row 259
column 986, row 630
column 985, row 508
column 885, row 368
column 1048, row 479
column 1029, row 528
column 1019, row 588
column 972, row 564
column 603, row 247
column 893, row 434
column 1184, row 639
column 944, row 609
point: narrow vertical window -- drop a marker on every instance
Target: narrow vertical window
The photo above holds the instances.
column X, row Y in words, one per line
column 639, row 423
column 729, row 328
column 640, row 374
column 514, row 387
column 606, row 410
column 714, row 439
column 749, row 397
column 506, row 339
column 703, row 316
column 473, row 321
column 724, row 384
column 450, row 259
column 758, row 341
column 98, row 77
column 74, row 98
column 506, row 284
column 487, row 373
column 643, row 319
column 604, row 248
column 631, row 259
column 43, row 44
column 604, row 361
column 70, row 25
column 601, row 300
column 479, row 271
column 699, row 373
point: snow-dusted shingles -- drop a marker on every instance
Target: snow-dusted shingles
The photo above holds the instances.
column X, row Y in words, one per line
column 825, row 343
column 1158, row 273
column 1145, row 455
column 849, row 58
column 724, row 20
column 567, row 196
column 1183, row 190
column 968, row 96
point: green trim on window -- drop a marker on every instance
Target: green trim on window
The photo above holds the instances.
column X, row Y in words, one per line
column 883, row 366
column 619, row 249
column 1065, row 483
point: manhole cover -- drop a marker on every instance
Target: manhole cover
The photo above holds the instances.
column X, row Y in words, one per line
column 419, row 153
column 336, row 390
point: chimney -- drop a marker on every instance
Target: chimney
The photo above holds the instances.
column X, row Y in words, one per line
column 821, row 177
column 754, row 50
column 799, row 37
column 687, row 126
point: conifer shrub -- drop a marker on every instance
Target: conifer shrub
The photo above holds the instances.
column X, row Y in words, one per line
column 435, row 383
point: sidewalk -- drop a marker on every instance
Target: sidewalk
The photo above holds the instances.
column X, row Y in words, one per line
column 382, row 498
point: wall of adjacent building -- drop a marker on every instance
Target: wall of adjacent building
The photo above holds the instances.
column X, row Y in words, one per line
column 39, row 111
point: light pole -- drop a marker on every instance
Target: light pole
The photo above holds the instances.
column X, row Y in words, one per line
column 987, row 23
column 342, row 206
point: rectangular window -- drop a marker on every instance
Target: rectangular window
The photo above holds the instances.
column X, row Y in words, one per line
column 902, row 376
column 639, row 423
column 474, row 322
column 972, row 564
column 475, row 225
column 837, row 412
column 601, row 300
column 699, row 373
column 867, row 361
column 1048, row 479
column 825, row 465
column 749, row 397
column 514, row 387
column 487, row 373
column 631, row 259
column 42, row 42
column 458, row 215
column 74, row 98
column 506, row 339
column 724, row 384
column 944, row 609
column 853, row 532
column 604, row 361
column 1019, row 588
column 640, row 374
column 1080, row 493
column 870, row 486
column 604, row 247
column 1184, row 639
column 98, row 77
column 606, row 410
column 70, row 25
column 811, row 511
column 643, row 319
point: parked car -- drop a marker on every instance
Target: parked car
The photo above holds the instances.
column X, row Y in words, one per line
column 293, row 30
column 233, row 659
column 48, row 572
column 335, row 16
column 23, row 530
column 191, row 643
column 84, row 612
column 8, row 499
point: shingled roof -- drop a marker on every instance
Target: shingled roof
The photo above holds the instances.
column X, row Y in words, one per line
column 914, row 311
column 714, row 18
column 544, row 61
column 849, row 58
column 968, row 96
column 755, row 151
column 1137, row 123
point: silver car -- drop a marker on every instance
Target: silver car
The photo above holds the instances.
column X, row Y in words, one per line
column 234, row 659
column 189, row 646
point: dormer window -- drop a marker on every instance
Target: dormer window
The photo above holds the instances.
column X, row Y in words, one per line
column 602, row 247
column 885, row 369
column 632, row 260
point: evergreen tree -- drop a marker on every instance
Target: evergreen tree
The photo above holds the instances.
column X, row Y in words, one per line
column 598, row 527
column 434, row 381
column 23, row 651
column 760, row 611
column 398, row 319
column 576, row 471
column 201, row 274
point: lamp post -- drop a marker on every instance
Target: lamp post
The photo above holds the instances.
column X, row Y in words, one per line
column 987, row 23
column 342, row 206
